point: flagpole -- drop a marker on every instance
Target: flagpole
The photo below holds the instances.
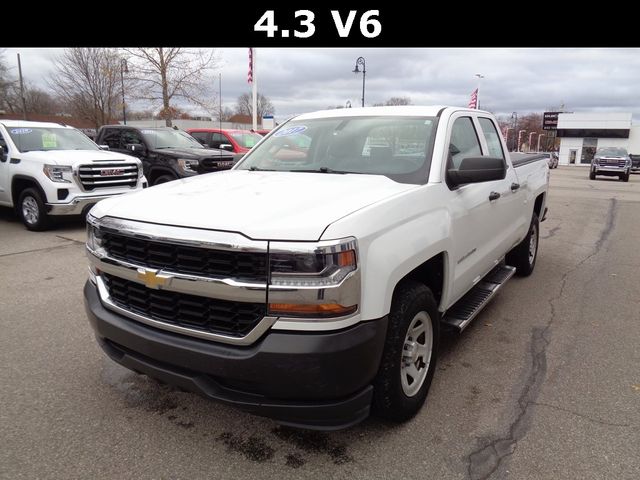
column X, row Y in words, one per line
column 480, row 77
column 254, row 84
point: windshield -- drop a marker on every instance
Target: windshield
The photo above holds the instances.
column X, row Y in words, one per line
column 170, row 139
column 246, row 139
column 396, row 147
column 50, row 138
column 611, row 152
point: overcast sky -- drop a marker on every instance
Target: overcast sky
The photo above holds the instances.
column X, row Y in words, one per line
column 520, row 80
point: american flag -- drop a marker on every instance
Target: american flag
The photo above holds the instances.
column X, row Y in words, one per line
column 473, row 102
column 250, row 74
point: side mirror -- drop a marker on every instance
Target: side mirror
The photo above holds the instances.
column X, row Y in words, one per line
column 226, row 146
column 136, row 148
column 477, row 169
column 103, row 147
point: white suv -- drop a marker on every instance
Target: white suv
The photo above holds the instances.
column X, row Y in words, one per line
column 50, row 169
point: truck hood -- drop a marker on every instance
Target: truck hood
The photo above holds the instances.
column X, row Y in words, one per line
column 73, row 157
column 193, row 153
column 259, row 205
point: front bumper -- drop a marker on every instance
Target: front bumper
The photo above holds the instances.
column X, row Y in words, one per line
column 610, row 170
column 311, row 380
column 75, row 206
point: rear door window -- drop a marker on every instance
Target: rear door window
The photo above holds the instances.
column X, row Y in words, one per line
column 492, row 138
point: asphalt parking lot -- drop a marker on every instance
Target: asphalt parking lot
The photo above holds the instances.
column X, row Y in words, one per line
column 544, row 384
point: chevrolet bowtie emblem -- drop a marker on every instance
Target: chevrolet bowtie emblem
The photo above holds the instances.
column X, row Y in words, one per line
column 153, row 279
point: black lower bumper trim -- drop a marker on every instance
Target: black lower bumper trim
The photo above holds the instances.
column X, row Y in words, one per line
column 319, row 380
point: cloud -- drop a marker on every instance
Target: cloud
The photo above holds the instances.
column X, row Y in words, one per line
column 522, row 80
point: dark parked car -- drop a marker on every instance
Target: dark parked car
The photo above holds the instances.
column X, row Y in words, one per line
column 166, row 153
column 635, row 163
column 236, row 141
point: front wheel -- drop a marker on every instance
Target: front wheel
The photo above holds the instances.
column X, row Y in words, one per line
column 625, row 177
column 524, row 255
column 409, row 356
column 32, row 210
column 592, row 175
column 163, row 179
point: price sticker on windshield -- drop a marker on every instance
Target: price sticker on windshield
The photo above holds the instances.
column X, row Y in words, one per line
column 49, row 140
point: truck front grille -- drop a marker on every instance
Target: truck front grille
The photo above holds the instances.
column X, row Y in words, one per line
column 216, row 164
column 612, row 162
column 108, row 175
column 205, row 314
column 185, row 259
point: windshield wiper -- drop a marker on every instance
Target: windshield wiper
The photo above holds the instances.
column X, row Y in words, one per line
column 258, row 169
column 322, row 170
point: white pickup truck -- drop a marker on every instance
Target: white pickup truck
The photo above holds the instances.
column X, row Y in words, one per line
column 310, row 282
column 49, row 169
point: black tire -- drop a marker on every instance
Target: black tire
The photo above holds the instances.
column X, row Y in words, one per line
column 592, row 176
column 520, row 256
column 390, row 402
column 625, row 177
column 32, row 210
column 163, row 179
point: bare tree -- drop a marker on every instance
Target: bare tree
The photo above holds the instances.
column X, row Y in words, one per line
column 226, row 112
column 164, row 75
column 6, row 82
column 88, row 81
column 394, row 101
column 244, row 105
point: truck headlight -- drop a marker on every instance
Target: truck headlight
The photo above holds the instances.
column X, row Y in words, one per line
column 94, row 238
column 58, row 174
column 315, row 270
column 187, row 165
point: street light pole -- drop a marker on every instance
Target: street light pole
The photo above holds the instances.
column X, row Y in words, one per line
column 123, row 70
column 480, row 77
column 360, row 61
column 514, row 117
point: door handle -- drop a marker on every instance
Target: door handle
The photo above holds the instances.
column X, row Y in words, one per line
column 494, row 196
column 515, row 186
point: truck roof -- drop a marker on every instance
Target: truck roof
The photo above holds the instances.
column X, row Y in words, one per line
column 404, row 110
column 27, row 124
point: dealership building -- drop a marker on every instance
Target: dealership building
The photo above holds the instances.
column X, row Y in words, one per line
column 582, row 133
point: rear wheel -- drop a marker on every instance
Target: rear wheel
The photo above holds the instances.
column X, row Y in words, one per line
column 32, row 210
column 409, row 356
column 524, row 255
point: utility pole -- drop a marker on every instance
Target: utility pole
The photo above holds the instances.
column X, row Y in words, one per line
column 24, row 102
column 220, row 100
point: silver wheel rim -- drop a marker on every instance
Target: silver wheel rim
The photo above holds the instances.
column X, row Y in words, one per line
column 533, row 245
column 416, row 354
column 30, row 210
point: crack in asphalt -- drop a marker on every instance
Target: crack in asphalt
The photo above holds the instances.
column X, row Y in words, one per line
column 581, row 415
column 551, row 233
column 483, row 462
column 73, row 242
column 71, row 239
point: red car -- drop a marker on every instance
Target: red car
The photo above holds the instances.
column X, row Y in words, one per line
column 237, row 141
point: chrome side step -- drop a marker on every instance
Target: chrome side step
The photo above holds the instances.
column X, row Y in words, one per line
column 464, row 310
